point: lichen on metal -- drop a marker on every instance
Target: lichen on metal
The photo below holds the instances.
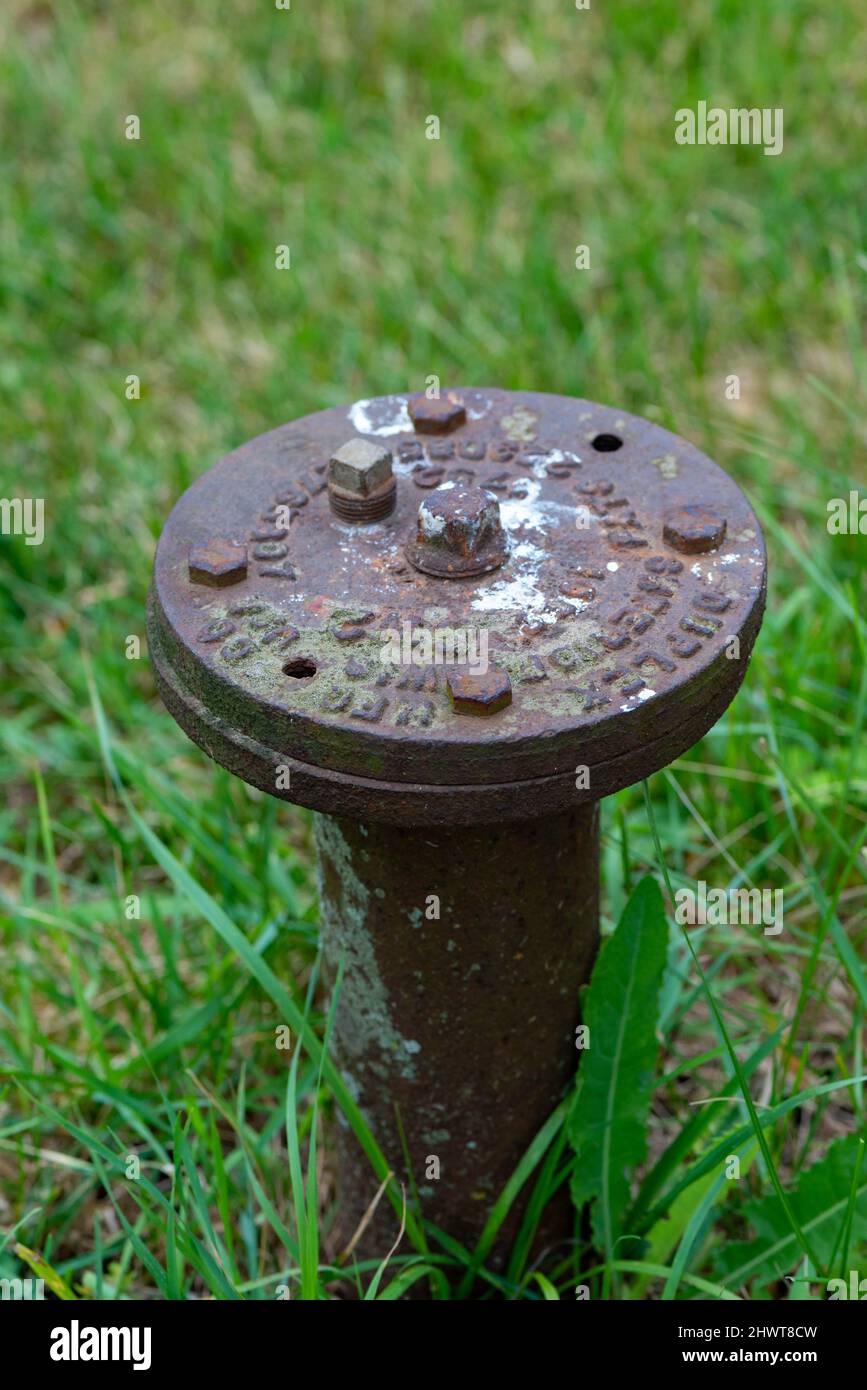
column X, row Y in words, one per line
column 367, row 1030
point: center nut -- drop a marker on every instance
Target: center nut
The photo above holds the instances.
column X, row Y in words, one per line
column 459, row 533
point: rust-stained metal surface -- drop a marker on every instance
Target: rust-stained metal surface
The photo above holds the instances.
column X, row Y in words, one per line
column 622, row 634
column 464, row 952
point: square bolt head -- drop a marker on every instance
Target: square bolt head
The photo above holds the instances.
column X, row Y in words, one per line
column 218, row 563
column 436, row 415
column 360, row 467
column 483, row 694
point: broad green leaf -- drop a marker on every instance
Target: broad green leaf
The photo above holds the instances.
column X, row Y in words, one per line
column 615, row 1081
column 826, row 1206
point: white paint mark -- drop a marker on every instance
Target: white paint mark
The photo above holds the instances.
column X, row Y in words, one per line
column 380, row 415
column 521, row 593
column 483, row 405
column 640, row 696
column 540, row 461
column 532, row 512
column 429, row 523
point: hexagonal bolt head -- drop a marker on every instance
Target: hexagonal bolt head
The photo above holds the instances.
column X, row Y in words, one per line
column 218, row 563
column 459, row 533
column 361, row 486
column 693, row 530
column 485, row 694
column 439, row 415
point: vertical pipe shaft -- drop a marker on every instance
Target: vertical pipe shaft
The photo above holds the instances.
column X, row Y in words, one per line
column 464, row 951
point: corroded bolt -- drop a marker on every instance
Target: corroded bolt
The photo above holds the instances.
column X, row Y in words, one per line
column 437, row 415
column 218, row 563
column 479, row 694
column 458, row 533
column 693, row 530
column 361, row 486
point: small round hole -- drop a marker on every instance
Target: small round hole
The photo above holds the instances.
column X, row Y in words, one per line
column 301, row 666
column 607, row 443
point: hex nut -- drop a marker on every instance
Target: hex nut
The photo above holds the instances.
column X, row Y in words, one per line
column 437, row 415
column 479, row 694
column 218, row 563
column 693, row 530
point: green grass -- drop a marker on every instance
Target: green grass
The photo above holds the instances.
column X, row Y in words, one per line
column 154, row 1037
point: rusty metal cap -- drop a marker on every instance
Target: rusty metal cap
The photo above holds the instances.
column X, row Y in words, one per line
column 622, row 613
column 458, row 533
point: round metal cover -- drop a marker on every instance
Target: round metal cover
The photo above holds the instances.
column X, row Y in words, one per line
column 312, row 658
